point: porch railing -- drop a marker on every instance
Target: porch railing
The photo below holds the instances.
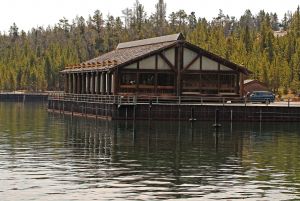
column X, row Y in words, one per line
column 131, row 99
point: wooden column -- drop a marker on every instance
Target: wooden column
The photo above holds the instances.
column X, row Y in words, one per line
column 74, row 83
column 92, row 85
column 66, row 83
column 241, row 84
column 218, row 83
column 78, row 83
column 112, row 89
column 87, row 83
column 237, row 82
column 107, row 83
column 156, row 75
column 116, row 81
column 102, row 82
column 179, row 67
column 97, row 82
column 82, row 83
column 70, row 83
column 200, row 76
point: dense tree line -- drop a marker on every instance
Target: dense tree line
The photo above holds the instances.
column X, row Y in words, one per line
column 32, row 60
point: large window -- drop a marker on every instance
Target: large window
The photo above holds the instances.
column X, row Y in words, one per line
column 128, row 83
column 209, row 83
column 165, row 83
column 191, row 83
column 146, row 83
column 128, row 79
column 165, row 79
column 147, row 79
column 227, row 83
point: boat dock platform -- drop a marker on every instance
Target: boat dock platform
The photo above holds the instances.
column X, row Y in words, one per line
column 175, row 108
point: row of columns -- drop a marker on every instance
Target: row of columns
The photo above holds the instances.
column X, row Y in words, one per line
column 89, row 83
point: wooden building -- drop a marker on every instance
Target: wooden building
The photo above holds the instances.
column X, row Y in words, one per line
column 161, row 66
column 254, row 85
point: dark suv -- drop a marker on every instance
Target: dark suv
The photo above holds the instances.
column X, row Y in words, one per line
column 262, row 96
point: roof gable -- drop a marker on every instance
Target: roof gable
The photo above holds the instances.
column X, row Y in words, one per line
column 150, row 41
column 218, row 59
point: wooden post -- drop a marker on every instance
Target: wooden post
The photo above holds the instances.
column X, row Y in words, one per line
column 70, row 90
column 85, row 109
column 97, row 112
column 74, row 83
column 72, row 109
column 217, row 119
column 112, row 88
column 107, row 82
column 149, row 109
column 97, row 83
column 241, row 84
column 102, row 83
column 59, row 107
column 65, row 82
column 260, row 116
column 82, row 83
column 134, row 112
column 87, row 83
column 92, row 85
column 63, row 107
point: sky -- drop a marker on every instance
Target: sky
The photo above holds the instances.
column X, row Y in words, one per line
column 29, row 14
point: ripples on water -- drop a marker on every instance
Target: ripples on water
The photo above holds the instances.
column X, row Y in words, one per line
column 53, row 157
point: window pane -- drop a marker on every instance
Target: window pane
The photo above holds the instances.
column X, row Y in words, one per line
column 165, row 79
column 146, row 79
column 191, row 81
column 128, row 78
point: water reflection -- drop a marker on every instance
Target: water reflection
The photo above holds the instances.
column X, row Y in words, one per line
column 55, row 157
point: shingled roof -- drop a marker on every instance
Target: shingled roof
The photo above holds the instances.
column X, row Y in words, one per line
column 151, row 41
column 126, row 52
column 129, row 52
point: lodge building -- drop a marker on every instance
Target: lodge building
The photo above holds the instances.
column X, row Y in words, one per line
column 161, row 66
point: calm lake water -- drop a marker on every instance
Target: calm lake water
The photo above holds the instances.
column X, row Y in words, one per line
column 53, row 157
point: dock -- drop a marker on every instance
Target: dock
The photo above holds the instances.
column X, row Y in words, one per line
column 171, row 108
column 23, row 97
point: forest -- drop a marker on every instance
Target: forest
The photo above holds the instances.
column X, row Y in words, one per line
column 266, row 45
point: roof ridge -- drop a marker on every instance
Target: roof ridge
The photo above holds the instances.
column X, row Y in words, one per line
column 149, row 41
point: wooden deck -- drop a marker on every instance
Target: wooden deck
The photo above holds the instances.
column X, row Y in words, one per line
column 172, row 108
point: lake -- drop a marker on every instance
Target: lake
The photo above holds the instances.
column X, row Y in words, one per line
column 45, row 156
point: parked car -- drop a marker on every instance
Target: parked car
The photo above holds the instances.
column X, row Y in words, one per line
column 262, row 96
